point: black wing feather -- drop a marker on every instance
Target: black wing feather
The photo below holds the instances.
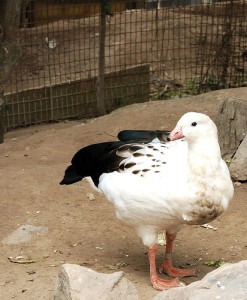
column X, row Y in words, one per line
column 144, row 136
column 96, row 159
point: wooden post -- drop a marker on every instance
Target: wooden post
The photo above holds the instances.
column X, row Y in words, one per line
column 10, row 11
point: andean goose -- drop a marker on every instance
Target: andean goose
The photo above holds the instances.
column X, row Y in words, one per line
column 160, row 186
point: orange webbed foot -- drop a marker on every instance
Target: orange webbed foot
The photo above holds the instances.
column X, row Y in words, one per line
column 167, row 268
column 161, row 284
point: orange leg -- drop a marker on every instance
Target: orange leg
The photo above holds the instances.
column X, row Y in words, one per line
column 167, row 266
column 158, row 283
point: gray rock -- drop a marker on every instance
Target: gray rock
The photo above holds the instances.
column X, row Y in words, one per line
column 23, row 234
column 238, row 167
column 226, row 283
column 232, row 124
column 79, row 283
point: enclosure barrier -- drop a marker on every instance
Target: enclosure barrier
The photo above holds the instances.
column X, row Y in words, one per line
column 77, row 99
column 80, row 57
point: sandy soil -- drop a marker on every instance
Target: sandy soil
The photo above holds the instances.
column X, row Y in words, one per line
column 87, row 232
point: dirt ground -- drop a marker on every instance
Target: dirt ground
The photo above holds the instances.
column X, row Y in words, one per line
column 86, row 232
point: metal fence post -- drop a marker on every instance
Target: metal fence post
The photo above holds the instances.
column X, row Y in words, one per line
column 1, row 117
column 100, row 93
column 9, row 48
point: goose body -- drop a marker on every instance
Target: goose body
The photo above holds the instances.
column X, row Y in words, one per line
column 160, row 186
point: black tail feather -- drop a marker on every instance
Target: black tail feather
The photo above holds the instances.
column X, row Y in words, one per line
column 70, row 176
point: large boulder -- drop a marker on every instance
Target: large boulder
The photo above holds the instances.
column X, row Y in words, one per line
column 227, row 282
column 80, row 283
column 231, row 121
column 238, row 167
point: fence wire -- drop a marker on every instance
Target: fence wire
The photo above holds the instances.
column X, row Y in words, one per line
column 153, row 50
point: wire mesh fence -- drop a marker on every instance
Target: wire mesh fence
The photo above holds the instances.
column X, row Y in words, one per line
column 151, row 50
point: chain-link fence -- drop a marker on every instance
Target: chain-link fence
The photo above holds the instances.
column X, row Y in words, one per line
column 79, row 57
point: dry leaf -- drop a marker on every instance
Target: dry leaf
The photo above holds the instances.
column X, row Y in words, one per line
column 20, row 260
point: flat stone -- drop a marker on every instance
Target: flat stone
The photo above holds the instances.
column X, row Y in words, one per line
column 225, row 283
column 80, row 283
column 23, row 234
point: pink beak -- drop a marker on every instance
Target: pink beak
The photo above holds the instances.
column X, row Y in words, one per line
column 176, row 134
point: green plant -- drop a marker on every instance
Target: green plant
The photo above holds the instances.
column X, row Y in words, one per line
column 119, row 102
column 5, row 107
column 162, row 95
column 192, row 87
column 209, row 83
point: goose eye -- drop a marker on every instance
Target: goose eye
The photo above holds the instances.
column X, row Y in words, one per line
column 193, row 124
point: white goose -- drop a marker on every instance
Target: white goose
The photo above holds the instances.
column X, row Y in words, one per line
column 160, row 186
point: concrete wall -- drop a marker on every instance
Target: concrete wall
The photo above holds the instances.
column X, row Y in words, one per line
column 37, row 12
column 76, row 99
